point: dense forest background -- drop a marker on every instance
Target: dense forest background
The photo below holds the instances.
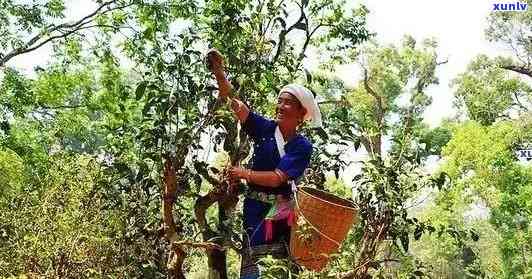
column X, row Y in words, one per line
column 112, row 155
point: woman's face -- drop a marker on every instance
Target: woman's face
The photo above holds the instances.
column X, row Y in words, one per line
column 289, row 109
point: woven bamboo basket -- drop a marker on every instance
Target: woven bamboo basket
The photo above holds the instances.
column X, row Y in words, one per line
column 322, row 223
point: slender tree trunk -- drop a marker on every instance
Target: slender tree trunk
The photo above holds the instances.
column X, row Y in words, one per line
column 171, row 230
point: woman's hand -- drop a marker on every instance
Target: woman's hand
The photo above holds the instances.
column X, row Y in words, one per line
column 216, row 65
column 215, row 62
column 238, row 173
column 263, row 178
column 235, row 174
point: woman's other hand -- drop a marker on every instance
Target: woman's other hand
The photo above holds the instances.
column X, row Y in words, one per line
column 264, row 178
column 237, row 173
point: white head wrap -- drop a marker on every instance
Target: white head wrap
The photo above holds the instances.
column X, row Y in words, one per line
column 306, row 98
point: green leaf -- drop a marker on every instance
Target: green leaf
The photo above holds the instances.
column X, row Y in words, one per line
column 141, row 88
column 405, row 241
column 308, row 75
column 301, row 26
column 323, row 135
column 474, row 236
column 281, row 21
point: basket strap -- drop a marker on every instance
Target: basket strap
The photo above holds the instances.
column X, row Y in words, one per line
column 310, row 223
column 280, row 142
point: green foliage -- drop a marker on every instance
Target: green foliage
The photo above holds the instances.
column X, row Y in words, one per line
column 64, row 229
column 488, row 92
column 390, row 100
column 482, row 161
column 435, row 139
column 17, row 95
column 480, row 157
column 12, row 169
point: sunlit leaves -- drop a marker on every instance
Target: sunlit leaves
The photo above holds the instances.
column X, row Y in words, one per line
column 12, row 169
column 488, row 92
column 56, row 88
column 482, row 158
column 17, row 95
column 55, row 8
column 351, row 29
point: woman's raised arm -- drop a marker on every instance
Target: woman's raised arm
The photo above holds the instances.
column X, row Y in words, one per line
column 216, row 65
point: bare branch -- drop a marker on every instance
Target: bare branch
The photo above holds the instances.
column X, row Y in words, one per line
column 81, row 21
column 64, row 30
column 379, row 111
column 282, row 35
column 518, row 69
column 63, row 107
column 518, row 102
column 336, row 102
column 372, row 92
column 442, row 62
column 200, row 209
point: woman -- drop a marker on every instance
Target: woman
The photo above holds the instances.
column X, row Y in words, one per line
column 280, row 156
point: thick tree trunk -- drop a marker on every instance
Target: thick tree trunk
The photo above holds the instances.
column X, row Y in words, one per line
column 216, row 258
column 226, row 200
column 217, row 264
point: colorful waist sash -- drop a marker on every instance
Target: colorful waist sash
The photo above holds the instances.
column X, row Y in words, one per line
column 281, row 208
